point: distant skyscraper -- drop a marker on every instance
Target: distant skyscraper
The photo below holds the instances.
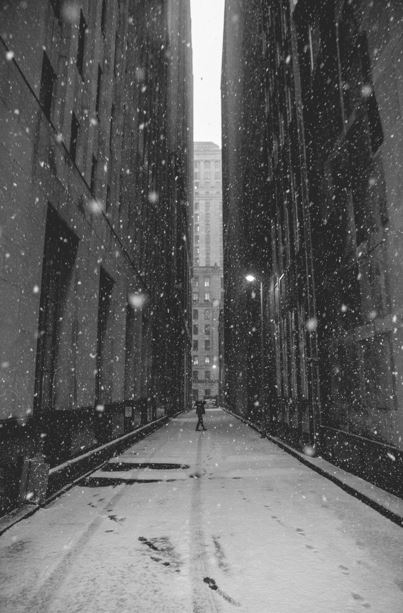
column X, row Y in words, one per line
column 207, row 268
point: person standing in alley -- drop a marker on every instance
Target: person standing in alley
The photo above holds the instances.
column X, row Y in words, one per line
column 200, row 411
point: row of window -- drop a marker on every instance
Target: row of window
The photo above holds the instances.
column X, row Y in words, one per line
column 207, row 375
column 207, row 345
column 207, row 329
column 47, row 90
column 207, row 314
column 205, row 299
column 206, row 281
column 207, row 176
column 206, row 360
column 205, row 187
column 207, row 164
column 207, row 393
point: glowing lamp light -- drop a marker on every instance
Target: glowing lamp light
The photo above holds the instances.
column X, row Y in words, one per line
column 250, row 278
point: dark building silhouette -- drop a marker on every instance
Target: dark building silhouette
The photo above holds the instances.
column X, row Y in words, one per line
column 328, row 100
column 96, row 197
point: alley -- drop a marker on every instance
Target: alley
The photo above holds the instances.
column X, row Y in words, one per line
column 187, row 521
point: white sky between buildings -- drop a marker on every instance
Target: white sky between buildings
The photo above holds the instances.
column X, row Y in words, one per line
column 207, row 37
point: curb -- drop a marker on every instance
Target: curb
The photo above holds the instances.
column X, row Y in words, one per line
column 383, row 502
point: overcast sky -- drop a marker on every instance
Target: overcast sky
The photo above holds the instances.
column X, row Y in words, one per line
column 207, row 34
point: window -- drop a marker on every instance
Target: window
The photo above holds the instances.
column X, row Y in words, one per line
column 207, row 282
column 108, row 197
column 195, row 361
column 56, row 8
column 93, row 174
column 52, row 373
column 195, row 345
column 197, row 218
column 48, row 80
column 196, row 281
column 207, row 344
column 207, row 375
column 75, row 126
column 197, row 239
column 105, row 341
column 207, row 329
column 207, row 360
column 195, row 314
column 195, row 297
column 195, row 329
column 206, row 314
column 206, row 296
column 195, row 376
column 103, row 18
column 207, row 393
column 82, row 30
column 197, row 228
column 196, row 206
column 98, row 99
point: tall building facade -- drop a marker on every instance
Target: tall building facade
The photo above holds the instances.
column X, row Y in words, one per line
column 328, row 99
column 207, row 269
column 96, row 199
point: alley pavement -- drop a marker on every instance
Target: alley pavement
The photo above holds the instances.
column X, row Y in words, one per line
column 218, row 521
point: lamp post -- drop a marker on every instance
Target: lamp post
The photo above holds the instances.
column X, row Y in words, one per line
column 250, row 278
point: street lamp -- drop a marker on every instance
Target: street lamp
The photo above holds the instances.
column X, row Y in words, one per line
column 250, row 278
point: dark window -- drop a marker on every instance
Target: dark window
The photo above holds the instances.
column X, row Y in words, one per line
column 130, row 353
column 103, row 18
column 207, row 329
column 81, row 45
column 207, row 392
column 195, row 314
column 207, row 375
column 93, row 174
column 207, row 344
column 48, row 80
column 195, row 375
column 75, row 126
column 108, row 197
column 56, row 8
column 57, row 281
column 112, row 128
column 98, row 99
column 195, row 345
column 105, row 340
column 195, row 329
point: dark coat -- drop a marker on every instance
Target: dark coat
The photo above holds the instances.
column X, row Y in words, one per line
column 200, row 410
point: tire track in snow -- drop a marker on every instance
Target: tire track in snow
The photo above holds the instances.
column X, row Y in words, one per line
column 203, row 600
column 41, row 601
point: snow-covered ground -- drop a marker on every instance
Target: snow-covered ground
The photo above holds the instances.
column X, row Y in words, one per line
column 238, row 525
